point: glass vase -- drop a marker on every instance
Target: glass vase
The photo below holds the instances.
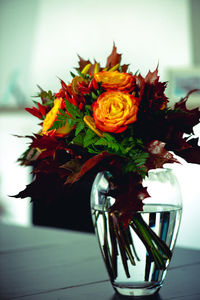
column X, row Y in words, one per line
column 137, row 256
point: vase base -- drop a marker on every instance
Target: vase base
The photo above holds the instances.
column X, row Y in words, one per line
column 136, row 290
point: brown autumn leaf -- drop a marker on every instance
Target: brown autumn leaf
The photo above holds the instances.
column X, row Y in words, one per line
column 73, row 168
column 45, row 187
column 192, row 153
column 152, row 93
column 129, row 194
column 158, row 155
column 87, row 166
column 186, row 118
column 82, row 63
column 114, row 58
column 152, row 77
column 124, row 68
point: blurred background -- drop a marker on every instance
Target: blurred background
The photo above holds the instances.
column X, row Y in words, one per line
column 39, row 42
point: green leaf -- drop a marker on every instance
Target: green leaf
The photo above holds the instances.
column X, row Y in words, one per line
column 88, row 109
column 101, row 142
column 79, row 139
column 46, row 97
column 112, row 147
column 62, row 112
column 35, row 102
column 89, row 138
column 61, row 118
column 94, row 96
column 79, row 127
column 120, row 69
column 58, row 124
column 73, row 110
column 110, row 138
column 80, row 74
column 50, row 94
column 71, row 122
column 98, row 92
column 72, row 74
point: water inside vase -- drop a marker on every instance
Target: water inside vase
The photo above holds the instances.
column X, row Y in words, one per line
column 145, row 277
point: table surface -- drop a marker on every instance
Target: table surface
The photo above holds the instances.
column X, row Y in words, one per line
column 41, row 263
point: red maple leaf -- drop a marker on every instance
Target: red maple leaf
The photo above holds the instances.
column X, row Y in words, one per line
column 152, row 93
column 186, row 118
column 82, row 62
column 47, row 142
column 47, row 145
column 158, row 155
column 114, row 58
column 87, row 166
column 129, row 194
column 39, row 112
column 192, row 153
column 45, row 187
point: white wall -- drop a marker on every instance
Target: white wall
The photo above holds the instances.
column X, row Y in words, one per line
column 146, row 32
column 17, row 27
column 13, row 178
column 40, row 38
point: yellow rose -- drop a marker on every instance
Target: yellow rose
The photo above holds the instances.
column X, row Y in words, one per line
column 115, row 80
column 114, row 110
column 51, row 117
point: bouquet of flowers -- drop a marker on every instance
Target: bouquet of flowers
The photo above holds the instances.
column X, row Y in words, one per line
column 108, row 118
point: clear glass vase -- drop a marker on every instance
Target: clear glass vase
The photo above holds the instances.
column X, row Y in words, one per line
column 137, row 257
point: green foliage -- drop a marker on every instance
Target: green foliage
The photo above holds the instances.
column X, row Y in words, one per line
column 109, row 142
column 88, row 109
column 130, row 149
column 75, row 119
column 94, row 96
column 78, row 140
column 120, row 69
column 72, row 74
column 90, row 138
column 60, row 122
column 74, row 111
column 80, row 74
column 133, row 149
column 46, row 97
column 79, row 127
column 136, row 163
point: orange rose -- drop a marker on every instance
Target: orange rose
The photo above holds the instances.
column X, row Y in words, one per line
column 51, row 117
column 116, row 80
column 114, row 110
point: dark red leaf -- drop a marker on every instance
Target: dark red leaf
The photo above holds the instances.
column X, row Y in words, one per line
column 34, row 111
column 43, row 109
column 45, row 187
column 192, row 153
column 47, row 142
column 151, row 92
column 129, row 194
column 82, row 63
column 185, row 118
column 114, row 58
column 87, row 166
column 152, row 77
column 158, row 155
column 140, row 85
column 124, row 68
column 64, row 85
